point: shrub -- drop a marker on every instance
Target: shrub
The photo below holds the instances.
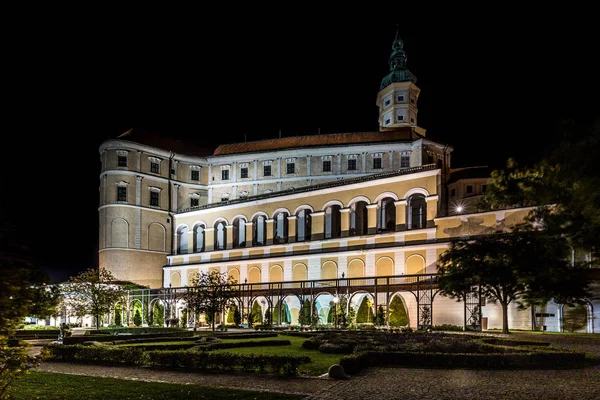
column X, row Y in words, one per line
column 96, row 354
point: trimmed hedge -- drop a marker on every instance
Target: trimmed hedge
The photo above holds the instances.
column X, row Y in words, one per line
column 354, row 363
column 232, row 345
column 111, row 338
column 245, row 335
column 135, row 331
column 96, row 354
column 511, row 343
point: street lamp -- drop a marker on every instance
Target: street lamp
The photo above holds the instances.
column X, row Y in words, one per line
column 335, row 316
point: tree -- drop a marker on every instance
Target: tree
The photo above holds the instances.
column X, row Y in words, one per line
column 237, row 317
column 365, row 312
column 210, row 293
column 92, row 292
column 256, row 313
column 118, row 321
column 341, row 311
column 314, row 314
column 268, row 317
column 137, row 318
column 351, row 315
column 398, row 316
column 522, row 266
column 304, row 314
column 380, row 317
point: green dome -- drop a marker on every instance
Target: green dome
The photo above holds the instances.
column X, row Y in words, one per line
column 398, row 70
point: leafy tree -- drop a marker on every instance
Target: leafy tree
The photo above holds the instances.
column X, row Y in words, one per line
column 210, row 293
column 304, row 314
column 523, row 267
column 365, row 312
column 280, row 308
column 314, row 314
column 158, row 314
column 268, row 317
column 341, row 311
column 351, row 315
column 137, row 318
column 237, row 317
column 256, row 314
column 92, row 292
column 118, row 312
column 230, row 314
column 398, row 315
column 380, row 317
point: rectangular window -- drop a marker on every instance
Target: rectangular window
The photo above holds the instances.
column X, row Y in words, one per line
column 122, row 161
column 172, row 171
column 195, row 175
column 352, row 164
column 400, row 117
column 429, row 159
column 387, row 102
column 291, row 168
column 243, row 172
column 154, row 167
column 387, row 121
column 154, row 199
column 194, row 202
column 469, row 189
column 267, row 170
column 121, row 193
column 400, row 98
column 412, row 120
column 412, row 100
column 224, row 174
column 377, row 163
column 327, row 166
column 404, row 161
column 483, row 188
column 453, row 193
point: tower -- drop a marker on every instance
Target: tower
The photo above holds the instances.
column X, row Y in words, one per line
column 398, row 93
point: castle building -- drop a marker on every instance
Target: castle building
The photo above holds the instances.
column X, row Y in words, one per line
column 318, row 208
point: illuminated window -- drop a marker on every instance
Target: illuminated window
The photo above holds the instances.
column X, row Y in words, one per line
column 377, row 163
column 121, row 193
column 224, row 174
column 352, row 164
column 243, row 172
column 267, row 170
column 404, row 161
column 327, row 166
column 195, row 175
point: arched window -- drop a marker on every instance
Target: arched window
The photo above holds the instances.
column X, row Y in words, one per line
column 281, row 228
column 359, row 218
column 303, row 222
column 416, row 212
column 333, row 228
column 260, row 230
column 220, row 235
column 239, row 232
column 198, row 238
column 182, row 240
column 386, row 215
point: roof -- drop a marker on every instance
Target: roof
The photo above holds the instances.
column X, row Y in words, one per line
column 142, row 136
column 457, row 174
column 333, row 139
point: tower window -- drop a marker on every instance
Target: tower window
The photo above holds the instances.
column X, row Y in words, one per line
column 194, row 202
column 154, row 199
column 267, row 170
column 291, row 168
column 122, row 161
column 243, row 172
column 225, row 174
column 412, row 100
column 195, row 175
column 412, row 120
column 154, row 167
column 452, row 192
column 469, row 189
column 121, row 193
column 377, row 163
column 387, row 102
column 400, row 117
column 404, row 161
column 352, row 164
column 387, row 121
column 327, row 166
column 400, row 98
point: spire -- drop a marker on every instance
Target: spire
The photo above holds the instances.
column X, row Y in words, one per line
column 398, row 70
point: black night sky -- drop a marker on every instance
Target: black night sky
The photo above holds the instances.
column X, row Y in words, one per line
column 493, row 86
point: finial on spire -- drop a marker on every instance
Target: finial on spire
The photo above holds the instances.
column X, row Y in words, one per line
column 397, row 32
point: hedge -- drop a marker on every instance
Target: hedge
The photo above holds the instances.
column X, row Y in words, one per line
column 111, row 338
column 231, row 345
column 96, row 354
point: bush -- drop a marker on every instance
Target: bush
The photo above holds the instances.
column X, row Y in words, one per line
column 448, row 327
column 96, row 354
column 231, row 345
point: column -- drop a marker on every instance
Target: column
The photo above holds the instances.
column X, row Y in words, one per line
column 137, row 239
column 139, row 161
column 249, row 234
column 372, row 219
column 175, row 192
column 270, row 223
column 209, row 239
column 399, row 268
column 292, row 220
column 345, row 221
column 400, row 215
column 364, row 162
column 104, row 190
column 431, row 261
column 391, row 167
column 234, row 172
column 210, row 190
column 255, row 189
column 138, row 190
column 255, row 169
column 234, row 192
column 190, row 243
column 278, row 186
column 339, row 163
column 432, row 207
column 307, row 165
column 229, row 237
column 317, row 225
column 278, row 168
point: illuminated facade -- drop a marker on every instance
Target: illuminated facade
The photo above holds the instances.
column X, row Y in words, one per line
column 305, row 208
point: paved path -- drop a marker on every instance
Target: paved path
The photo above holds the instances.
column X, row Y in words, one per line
column 398, row 383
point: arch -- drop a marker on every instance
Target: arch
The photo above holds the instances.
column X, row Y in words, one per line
column 384, row 266
column 332, row 203
column 259, row 213
column 419, row 190
column 254, row 275
column 415, row 264
column 332, row 228
column 356, row 269
column 280, row 226
column 359, row 218
column 304, row 207
column 386, row 215
column 234, row 273
column 239, row 231
column 157, row 237
column 398, row 311
column 384, row 195
column 329, row 270
column 220, row 234
column 577, row 318
column 199, row 236
column 220, row 219
column 259, row 226
column 182, row 239
column 175, row 279
column 416, row 212
column 280, row 210
column 191, row 275
column 303, row 224
column 357, row 199
column 119, row 230
column 276, row 273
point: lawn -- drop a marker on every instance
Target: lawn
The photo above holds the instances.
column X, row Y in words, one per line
column 320, row 362
column 51, row 386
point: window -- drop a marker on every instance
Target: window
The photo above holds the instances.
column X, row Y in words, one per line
column 400, row 117
column 121, row 193
column 469, row 189
column 172, row 171
column 400, row 98
column 387, row 121
column 352, row 164
column 483, row 188
column 430, row 159
column 195, row 175
column 267, row 170
column 154, row 167
column 154, row 199
column 377, row 163
column 387, row 102
column 122, row 161
column 412, row 100
column 404, row 161
column 291, row 168
column 412, row 120
column 224, row 174
column 327, row 166
column 244, row 172
column 194, row 202
column 452, row 192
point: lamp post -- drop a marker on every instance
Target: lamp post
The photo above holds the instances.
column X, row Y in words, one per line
column 335, row 316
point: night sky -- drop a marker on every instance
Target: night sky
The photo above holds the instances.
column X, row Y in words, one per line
column 502, row 85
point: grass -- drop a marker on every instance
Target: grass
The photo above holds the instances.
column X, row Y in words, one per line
column 52, row 386
column 319, row 364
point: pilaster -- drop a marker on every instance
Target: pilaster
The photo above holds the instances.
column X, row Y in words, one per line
column 317, row 225
column 270, row 225
column 400, row 215
column 345, row 221
column 371, row 218
column 292, row 220
column 209, row 239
